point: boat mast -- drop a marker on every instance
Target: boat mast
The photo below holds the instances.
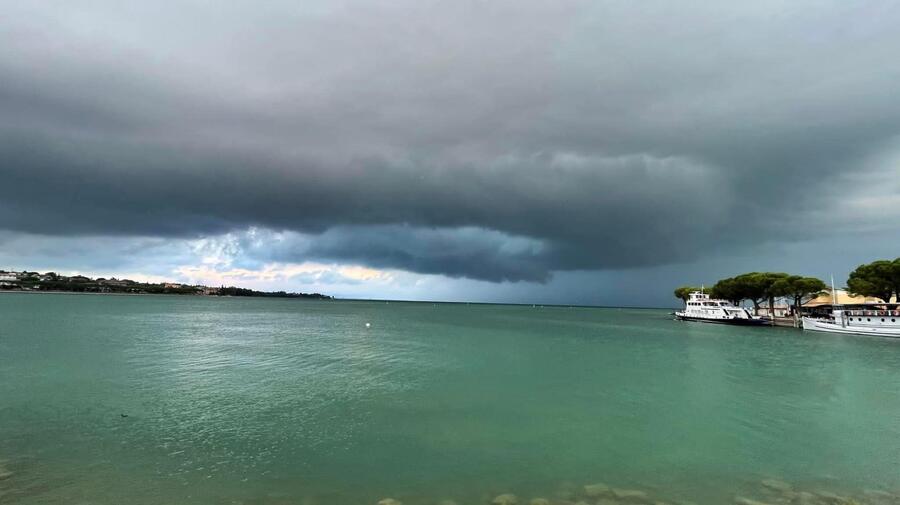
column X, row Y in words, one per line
column 833, row 292
column 835, row 311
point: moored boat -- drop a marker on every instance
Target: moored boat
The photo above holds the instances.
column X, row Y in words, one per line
column 880, row 322
column 877, row 319
column 701, row 308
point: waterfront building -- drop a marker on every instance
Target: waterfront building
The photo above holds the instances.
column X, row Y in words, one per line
column 825, row 303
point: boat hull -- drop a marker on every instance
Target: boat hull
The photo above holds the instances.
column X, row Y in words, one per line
column 810, row 324
column 732, row 322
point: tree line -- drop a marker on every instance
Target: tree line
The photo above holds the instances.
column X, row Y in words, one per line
column 50, row 281
column 879, row 279
column 758, row 287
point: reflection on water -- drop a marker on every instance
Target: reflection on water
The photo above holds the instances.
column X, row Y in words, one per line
column 116, row 399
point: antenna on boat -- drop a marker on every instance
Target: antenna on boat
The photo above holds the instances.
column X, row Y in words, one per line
column 833, row 292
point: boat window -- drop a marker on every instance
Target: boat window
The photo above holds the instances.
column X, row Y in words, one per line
column 882, row 319
column 868, row 319
column 893, row 320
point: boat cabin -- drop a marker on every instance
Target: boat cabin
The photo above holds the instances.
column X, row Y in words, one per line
column 699, row 306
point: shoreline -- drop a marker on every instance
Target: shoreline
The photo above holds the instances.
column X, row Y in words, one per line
column 173, row 295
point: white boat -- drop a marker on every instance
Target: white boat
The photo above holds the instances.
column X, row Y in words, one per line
column 700, row 307
column 879, row 322
column 875, row 319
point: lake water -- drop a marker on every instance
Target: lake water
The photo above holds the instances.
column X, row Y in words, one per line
column 271, row 401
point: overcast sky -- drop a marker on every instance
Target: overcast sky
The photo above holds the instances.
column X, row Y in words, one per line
column 592, row 152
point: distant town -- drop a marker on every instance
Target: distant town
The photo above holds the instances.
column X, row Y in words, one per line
column 51, row 281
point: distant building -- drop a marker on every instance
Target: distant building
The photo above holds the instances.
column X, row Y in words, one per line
column 9, row 276
column 781, row 309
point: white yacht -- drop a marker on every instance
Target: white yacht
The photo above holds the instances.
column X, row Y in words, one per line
column 700, row 307
column 881, row 321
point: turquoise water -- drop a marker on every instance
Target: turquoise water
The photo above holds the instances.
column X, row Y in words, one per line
column 291, row 401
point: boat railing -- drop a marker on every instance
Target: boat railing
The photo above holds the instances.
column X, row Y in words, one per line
column 876, row 313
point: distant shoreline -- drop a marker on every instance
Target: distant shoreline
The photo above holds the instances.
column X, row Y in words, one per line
column 173, row 295
column 52, row 282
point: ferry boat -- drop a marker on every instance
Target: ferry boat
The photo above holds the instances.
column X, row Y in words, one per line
column 875, row 321
column 700, row 307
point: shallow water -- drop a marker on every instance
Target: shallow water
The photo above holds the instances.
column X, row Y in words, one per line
column 292, row 401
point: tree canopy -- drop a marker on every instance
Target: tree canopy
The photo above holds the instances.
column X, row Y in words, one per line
column 753, row 286
column 760, row 286
column 729, row 289
column 799, row 289
column 879, row 279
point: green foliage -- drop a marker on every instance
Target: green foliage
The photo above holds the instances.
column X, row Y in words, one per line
column 760, row 286
column 684, row 292
column 728, row 289
column 800, row 289
column 234, row 291
column 82, row 284
column 879, row 279
column 753, row 286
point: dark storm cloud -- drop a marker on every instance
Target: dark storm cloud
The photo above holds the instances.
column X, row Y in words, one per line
column 460, row 252
column 498, row 141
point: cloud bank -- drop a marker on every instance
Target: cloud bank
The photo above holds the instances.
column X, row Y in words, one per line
column 501, row 141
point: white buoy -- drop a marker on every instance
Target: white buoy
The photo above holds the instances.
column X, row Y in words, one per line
column 368, row 325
